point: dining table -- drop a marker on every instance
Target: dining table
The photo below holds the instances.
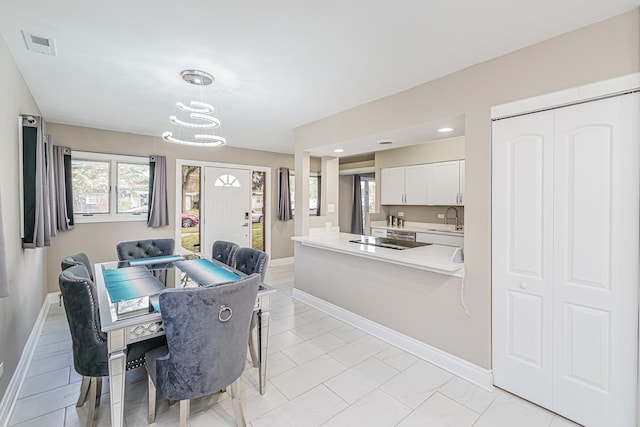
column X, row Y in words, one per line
column 129, row 310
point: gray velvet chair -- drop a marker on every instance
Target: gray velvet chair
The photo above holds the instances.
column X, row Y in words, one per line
column 250, row 261
column 207, row 330
column 136, row 249
column 79, row 258
column 224, row 252
column 148, row 248
column 90, row 353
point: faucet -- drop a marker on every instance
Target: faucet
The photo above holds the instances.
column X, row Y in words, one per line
column 446, row 216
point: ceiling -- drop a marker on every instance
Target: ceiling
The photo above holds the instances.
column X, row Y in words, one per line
column 278, row 65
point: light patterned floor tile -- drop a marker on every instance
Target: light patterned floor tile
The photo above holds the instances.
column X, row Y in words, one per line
column 360, row 380
column 285, row 324
column 440, row 411
column 309, row 350
column 359, row 350
column 305, row 377
column 45, row 382
column 348, row 333
column 43, row 403
column 278, row 363
column 279, row 342
column 417, row 383
column 471, row 396
column 319, row 327
column 312, row 408
column 397, row 358
column 508, row 411
column 50, row 364
column 55, row 418
column 377, row 409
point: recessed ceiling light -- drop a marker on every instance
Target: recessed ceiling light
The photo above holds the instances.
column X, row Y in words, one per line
column 385, row 141
column 338, row 150
column 445, row 130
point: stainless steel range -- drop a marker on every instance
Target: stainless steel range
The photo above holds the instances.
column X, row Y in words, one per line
column 383, row 242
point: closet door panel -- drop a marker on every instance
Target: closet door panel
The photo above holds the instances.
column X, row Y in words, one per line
column 596, row 261
column 522, row 255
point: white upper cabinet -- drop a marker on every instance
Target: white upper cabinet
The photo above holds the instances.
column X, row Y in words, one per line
column 405, row 185
column 446, row 183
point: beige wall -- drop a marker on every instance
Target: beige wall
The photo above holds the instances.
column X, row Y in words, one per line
column 99, row 240
column 604, row 50
column 27, row 288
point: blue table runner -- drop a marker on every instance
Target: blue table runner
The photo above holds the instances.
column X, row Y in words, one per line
column 131, row 282
column 206, row 273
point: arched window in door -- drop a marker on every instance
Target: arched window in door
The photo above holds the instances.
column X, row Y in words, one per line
column 227, row 180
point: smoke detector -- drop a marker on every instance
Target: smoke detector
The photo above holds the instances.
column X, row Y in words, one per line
column 39, row 44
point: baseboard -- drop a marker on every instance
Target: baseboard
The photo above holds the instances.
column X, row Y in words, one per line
column 473, row 373
column 13, row 389
column 280, row 261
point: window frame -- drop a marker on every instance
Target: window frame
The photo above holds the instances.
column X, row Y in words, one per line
column 113, row 215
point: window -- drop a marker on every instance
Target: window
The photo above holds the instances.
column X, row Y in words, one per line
column 109, row 188
column 314, row 193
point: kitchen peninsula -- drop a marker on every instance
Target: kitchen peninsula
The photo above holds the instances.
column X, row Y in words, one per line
column 412, row 298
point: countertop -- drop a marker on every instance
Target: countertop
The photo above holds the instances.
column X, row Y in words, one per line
column 436, row 258
column 421, row 227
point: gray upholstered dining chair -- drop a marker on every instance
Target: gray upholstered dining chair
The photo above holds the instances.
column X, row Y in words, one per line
column 79, row 258
column 136, row 249
column 250, row 261
column 147, row 248
column 224, row 252
column 207, row 330
column 90, row 353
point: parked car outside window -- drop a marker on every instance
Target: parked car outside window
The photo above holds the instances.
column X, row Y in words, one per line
column 188, row 219
column 256, row 216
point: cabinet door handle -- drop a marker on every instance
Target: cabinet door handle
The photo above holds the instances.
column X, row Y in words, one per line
column 460, row 198
column 524, row 285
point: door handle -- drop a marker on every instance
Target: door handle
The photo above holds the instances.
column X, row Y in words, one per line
column 524, row 285
column 246, row 224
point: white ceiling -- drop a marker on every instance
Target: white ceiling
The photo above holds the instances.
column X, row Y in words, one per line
column 277, row 64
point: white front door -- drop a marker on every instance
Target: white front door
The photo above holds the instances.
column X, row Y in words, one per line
column 227, row 207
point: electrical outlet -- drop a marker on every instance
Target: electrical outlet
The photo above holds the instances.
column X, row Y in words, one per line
column 440, row 216
column 1, row 369
column 400, row 214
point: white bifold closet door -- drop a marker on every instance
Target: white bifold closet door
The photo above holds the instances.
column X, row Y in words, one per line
column 565, row 259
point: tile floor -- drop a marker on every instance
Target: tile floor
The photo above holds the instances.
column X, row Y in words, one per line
column 322, row 372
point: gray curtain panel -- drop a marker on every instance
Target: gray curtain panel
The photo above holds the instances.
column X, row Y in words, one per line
column 36, row 193
column 4, row 275
column 284, row 199
column 158, row 204
column 62, row 187
column 50, row 190
column 356, row 214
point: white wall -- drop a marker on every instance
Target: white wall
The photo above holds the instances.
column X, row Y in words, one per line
column 27, row 287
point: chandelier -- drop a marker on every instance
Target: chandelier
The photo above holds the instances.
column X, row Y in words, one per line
column 194, row 122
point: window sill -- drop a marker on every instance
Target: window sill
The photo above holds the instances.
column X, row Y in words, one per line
column 90, row 219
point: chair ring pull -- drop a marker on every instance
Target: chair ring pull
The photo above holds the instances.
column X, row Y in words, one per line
column 225, row 317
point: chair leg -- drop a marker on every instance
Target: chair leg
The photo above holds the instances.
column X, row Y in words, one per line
column 185, row 408
column 98, row 390
column 252, row 350
column 84, row 390
column 92, row 402
column 237, row 405
column 152, row 401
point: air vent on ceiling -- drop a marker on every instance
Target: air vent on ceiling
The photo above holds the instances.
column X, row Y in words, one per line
column 39, row 44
